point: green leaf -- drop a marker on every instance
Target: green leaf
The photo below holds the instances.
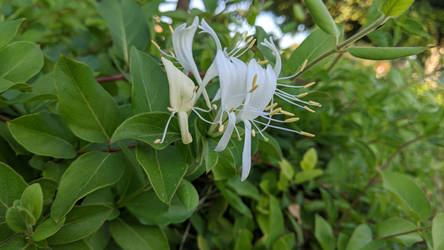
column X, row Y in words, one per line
column 234, row 200
column 165, row 169
column 307, row 175
column 408, row 192
column 161, row 213
column 324, row 234
column 135, row 237
column 43, row 134
column 316, row 44
column 20, row 61
column 16, row 242
column 244, row 239
column 395, row 8
column 361, row 236
column 87, row 108
column 384, row 53
column 287, row 169
column 276, row 222
column 89, row 172
column 397, row 225
column 211, row 157
column 126, row 23
column 438, row 231
column 32, row 199
column 243, row 188
column 322, row 17
column 7, row 85
column 16, row 219
column 285, row 242
column 148, row 127
column 149, row 92
column 8, row 30
column 47, row 228
column 81, row 222
column 11, row 185
column 309, row 159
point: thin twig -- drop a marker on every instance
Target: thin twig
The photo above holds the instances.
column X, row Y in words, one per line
column 185, row 235
column 110, row 78
column 108, row 150
column 403, row 233
column 373, row 180
column 4, row 118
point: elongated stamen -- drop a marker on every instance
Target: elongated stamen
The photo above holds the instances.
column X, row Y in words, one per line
column 159, row 141
column 248, row 48
column 161, row 51
column 295, row 74
column 315, row 103
column 307, row 134
column 289, row 86
column 171, row 28
column 309, row 109
column 287, row 113
column 262, row 62
column 272, row 119
column 253, row 132
column 302, row 95
column 201, row 117
column 254, row 85
column 259, row 130
column 238, row 46
column 204, row 110
column 275, row 111
column 280, row 128
column 291, row 97
column 237, row 133
column 290, row 120
column 289, row 101
column 308, row 85
column 272, row 106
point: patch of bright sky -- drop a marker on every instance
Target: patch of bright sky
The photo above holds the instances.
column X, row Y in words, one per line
column 269, row 22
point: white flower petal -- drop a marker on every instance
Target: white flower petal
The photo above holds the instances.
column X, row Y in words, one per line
column 207, row 29
column 246, row 153
column 223, row 142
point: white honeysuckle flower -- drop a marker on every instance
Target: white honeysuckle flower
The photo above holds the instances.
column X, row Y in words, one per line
column 182, row 99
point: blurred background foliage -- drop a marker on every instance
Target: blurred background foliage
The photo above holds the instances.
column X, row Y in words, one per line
column 375, row 115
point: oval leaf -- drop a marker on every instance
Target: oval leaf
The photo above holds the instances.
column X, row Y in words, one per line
column 43, row 134
column 87, row 108
column 408, row 192
column 137, row 237
column 384, row 53
column 165, row 169
column 80, row 223
column 322, row 17
column 16, row 219
column 32, row 199
column 438, row 232
column 47, row 228
column 89, row 172
column 20, row 61
column 361, row 236
column 148, row 127
column 6, row 85
column 11, row 185
column 324, row 234
column 149, row 83
column 8, row 30
column 395, row 8
column 397, row 225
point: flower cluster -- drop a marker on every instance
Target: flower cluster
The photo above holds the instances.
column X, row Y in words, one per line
column 246, row 93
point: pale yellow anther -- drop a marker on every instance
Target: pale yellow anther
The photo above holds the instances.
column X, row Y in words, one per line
column 315, row 103
column 275, row 111
column 266, row 139
column 249, row 39
column 307, row 134
column 289, row 120
column 309, row 109
column 195, row 89
column 155, row 44
column 303, row 65
column 214, row 106
column 308, row 85
column 302, row 95
column 262, row 62
column 286, row 113
column 157, row 141
column 171, row 109
column 172, row 53
column 253, row 133
column 251, row 44
column 221, row 128
column 244, row 36
column 270, row 107
column 231, row 110
column 171, row 28
column 254, row 84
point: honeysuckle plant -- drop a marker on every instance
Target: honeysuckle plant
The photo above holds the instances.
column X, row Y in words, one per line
column 199, row 141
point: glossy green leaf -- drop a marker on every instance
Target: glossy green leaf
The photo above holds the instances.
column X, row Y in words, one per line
column 32, row 199
column 20, row 61
column 137, row 237
column 438, row 232
column 285, row 242
column 324, row 234
column 361, row 236
column 149, row 92
column 44, row 134
column 16, row 242
column 81, row 222
column 408, row 193
column 9, row 29
column 11, row 185
column 395, row 8
column 384, row 53
column 165, row 169
column 276, row 221
column 47, row 228
column 398, row 225
column 234, row 200
column 87, row 108
column 126, row 23
column 16, row 219
column 322, row 17
column 148, row 127
column 6, row 85
column 307, row 175
column 159, row 212
column 89, row 172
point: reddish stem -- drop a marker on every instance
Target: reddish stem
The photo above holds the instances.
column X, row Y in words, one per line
column 109, row 150
column 110, row 78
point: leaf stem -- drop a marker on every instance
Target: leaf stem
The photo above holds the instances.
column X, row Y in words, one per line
column 403, row 233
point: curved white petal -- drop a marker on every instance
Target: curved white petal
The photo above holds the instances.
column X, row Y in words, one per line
column 223, row 142
column 246, row 153
column 183, row 125
column 182, row 44
column 207, row 29
column 278, row 64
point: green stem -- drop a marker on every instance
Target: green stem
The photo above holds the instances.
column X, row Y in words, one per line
column 404, row 233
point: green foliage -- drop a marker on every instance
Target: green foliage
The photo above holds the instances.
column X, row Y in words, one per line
column 83, row 109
